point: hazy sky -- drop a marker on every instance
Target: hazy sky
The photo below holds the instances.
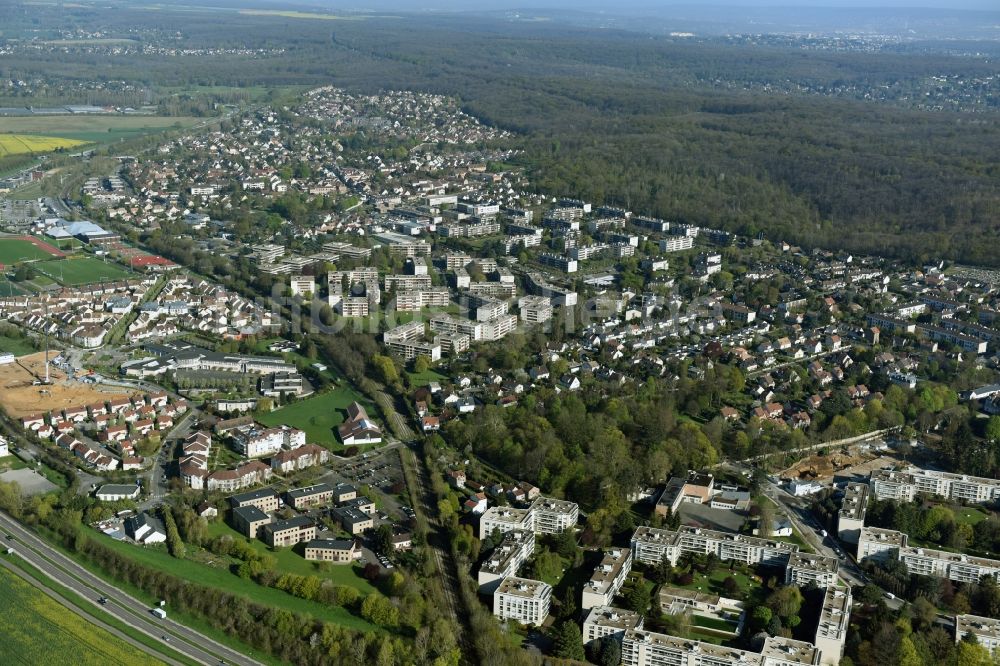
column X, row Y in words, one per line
column 612, row 6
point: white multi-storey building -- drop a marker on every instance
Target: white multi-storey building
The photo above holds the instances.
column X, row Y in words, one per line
column 609, row 621
column 553, row 516
column 505, row 519
column 608, row 578
column 879, row 544
column 524, row 600
column 851, row 517
column 985, row 629
column 904, row 486
column 831, row 633
column 517, row 546
column 805, row 568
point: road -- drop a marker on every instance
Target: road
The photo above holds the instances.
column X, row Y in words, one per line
column 126, row 608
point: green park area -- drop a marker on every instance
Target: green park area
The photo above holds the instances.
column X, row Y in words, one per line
column 318, row 416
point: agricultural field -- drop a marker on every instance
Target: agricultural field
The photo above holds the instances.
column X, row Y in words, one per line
column 14, row 250
column 318, row 416
column 82, row 270
column 94, row 129
column 25, row 144
column 37, row 630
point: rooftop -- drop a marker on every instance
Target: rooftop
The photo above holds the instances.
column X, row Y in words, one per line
column 333, row 544
column 790, row 651
column 855, row 502
column 609, row 616
column 609, row 569
column 252, row 495
column 813, row 561
column 835, row 614
column 524, row 587
column 296, row 493
column 879, row 535
column 513, row 542
column 977, row 626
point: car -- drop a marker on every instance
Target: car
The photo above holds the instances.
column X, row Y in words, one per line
column 890, row 595
column 102, row 600
column 166, row 638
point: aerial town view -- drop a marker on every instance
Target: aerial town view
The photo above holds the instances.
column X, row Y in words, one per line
column 437, row 335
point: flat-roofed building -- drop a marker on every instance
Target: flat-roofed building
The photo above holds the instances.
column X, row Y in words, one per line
column 805, row 568
column 646, row 648
column 522, row 599
column 554, row 516
column 904, row 486
column 677, row 600
column 739, row 547
column 264, row 499
column 604, row 621
column 353, row 521
column 505, row 519
column 289, row 532
column 362, row 504
column 880, row 544
column 851, row 517
column 834, row 617
column 338, row 551
column 889, row 484
column 309, row 496
column 781, row 651
column 651, row 545
column 248, row 520
column 986, row 630
column 608, row 578
column 343, row 492
column 515, row 548
column 535, row 309
column 958, row 567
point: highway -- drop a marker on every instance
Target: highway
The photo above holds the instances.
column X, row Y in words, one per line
column 128, row 609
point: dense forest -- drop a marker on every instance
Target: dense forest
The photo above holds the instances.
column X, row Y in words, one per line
column 678, row 130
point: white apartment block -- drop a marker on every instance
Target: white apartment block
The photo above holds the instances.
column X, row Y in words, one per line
column 499, row 328
column 407, row 341
column 489, row 309
column 644, row 648
column 432, row 297
column 878, row 543
column 553, row 516
column 258, row 443
column 985, row 629
column 517, row 546
column 544, row 516
column 805, row 568
column 676, row 244
column 524, row 600
column 851, row 517
column 608, row 578
column 302, row 285
column 407, row 282
column 505, row 519
column 957, row 487
column 609, row 621
column 352, row 306
column 535, row 309
column 831, row 634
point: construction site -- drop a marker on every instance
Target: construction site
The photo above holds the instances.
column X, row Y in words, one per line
column 25, row 392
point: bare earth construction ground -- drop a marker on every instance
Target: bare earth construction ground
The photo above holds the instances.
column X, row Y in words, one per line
column 19, row 397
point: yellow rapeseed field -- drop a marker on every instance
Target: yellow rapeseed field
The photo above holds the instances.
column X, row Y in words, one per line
column 19, row 144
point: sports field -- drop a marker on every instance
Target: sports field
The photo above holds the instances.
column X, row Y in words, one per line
column 82, row 270
column 21, row 144
column 37, row 630
column 318, row 416
column 14, row 250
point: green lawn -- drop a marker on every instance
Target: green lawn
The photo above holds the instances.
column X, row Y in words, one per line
column 14, row 250
column 8, row 288
column 10, row 462
column 290, row 561
column 426, row 377
column 80, row 271
column 222, row 578
column 37, row 630
column 969, row 515
column 713, row 583
column 713, row 623
column 318, row 416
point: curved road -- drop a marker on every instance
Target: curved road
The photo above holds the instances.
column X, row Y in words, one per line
column 126, row 608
